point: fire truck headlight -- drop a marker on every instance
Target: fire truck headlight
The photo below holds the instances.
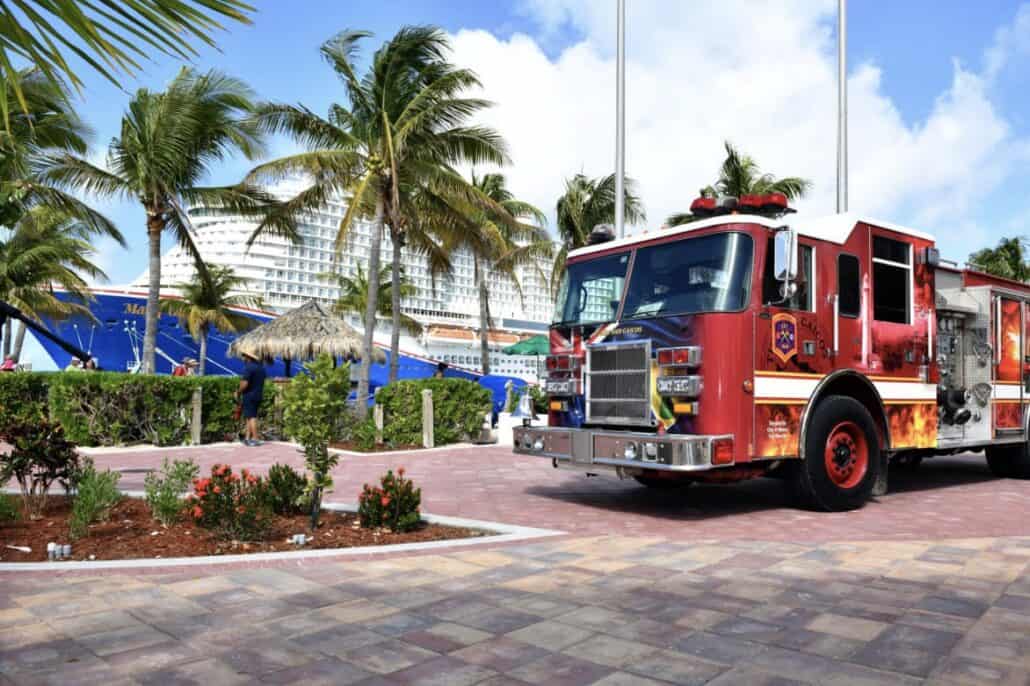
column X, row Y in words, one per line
column 538, row 444
column 650, row 451
column 527, row 441
column 630, row 451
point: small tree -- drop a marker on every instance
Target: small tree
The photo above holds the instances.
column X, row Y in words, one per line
column 39, row 455
column 314, row 405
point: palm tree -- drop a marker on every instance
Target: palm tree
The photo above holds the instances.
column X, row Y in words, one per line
column 740, row 175
column 402, row 128
column 207, row 302
column 108, row 35
column 500, row 242
column 1008, row 260
column 46, row 126
column 585, row 204
column 167, row 142
column 46, row 248
column 353, row 298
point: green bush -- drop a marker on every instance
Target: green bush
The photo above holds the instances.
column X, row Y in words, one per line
column 9, row 511
column 39, row 454
column 394, row 503
column 234, row 506
column 96, row 493
column 113, row 408
column 286, row 488
column 314, row 404
column 164, row 491
column 535, row 392
column 459, row 407
column 23, row 396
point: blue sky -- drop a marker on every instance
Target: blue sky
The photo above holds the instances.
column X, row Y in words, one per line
column 939, row 91
column 914, row 43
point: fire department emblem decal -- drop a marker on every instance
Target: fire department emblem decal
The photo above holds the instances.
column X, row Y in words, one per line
column 785, row 339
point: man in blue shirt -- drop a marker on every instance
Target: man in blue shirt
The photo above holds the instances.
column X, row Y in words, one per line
column 250, row 392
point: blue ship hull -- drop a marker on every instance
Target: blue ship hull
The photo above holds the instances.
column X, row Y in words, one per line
column 115, row 339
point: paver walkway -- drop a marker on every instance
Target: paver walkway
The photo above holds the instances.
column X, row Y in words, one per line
column 925, row 586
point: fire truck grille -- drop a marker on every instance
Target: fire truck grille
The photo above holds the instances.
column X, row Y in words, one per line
column 618, row 389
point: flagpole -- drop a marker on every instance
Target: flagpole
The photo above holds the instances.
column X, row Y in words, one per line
column 620, row 122
column 842, row 106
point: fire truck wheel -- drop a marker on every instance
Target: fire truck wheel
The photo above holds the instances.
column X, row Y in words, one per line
column 1009, row 462
column 842, row 456
column 658, row 483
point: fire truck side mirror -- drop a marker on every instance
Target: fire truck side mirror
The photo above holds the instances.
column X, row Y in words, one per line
column 785, row 254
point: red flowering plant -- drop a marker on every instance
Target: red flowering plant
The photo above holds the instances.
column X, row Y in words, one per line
column 234, row 506
column 393, row 504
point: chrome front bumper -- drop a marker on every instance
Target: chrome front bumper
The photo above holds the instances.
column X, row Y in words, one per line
column 595, row 448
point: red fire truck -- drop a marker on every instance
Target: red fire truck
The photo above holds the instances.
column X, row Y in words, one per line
column 740, row 345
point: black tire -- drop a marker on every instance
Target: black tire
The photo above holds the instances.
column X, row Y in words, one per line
column 662, row 484
column 1009, row 461
column 855, row 456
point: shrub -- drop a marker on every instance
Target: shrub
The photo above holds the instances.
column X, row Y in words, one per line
column 286, row 489
column 313, row 404
column 112, row 408
column 393, row 504
column 164, row 491
column 459, row 406
column 96, row 493
column 234, row 507
column 23, row 397
column 8, row 510
column 39, row 455
column 109, row 408
column 535, row 392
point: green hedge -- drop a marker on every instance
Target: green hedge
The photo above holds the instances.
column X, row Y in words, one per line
column 459, row 407
column 23, row 396
column 112, row 408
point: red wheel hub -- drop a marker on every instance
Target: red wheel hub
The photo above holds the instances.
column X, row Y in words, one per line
column 846, row 455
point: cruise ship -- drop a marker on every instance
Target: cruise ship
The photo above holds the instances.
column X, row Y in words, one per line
column 283, row 275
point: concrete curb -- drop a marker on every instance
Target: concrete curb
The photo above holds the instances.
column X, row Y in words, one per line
column 147, row 448
column 503, row 533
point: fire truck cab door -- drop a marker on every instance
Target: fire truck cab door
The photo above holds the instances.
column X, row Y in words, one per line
column 1008, row 317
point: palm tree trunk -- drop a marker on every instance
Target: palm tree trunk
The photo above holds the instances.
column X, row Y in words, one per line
column 154, row 229
column 395, row 304
column 19, row 341
column 202, row 362
column 484, row 319
column 8, row 328
column 371, row 305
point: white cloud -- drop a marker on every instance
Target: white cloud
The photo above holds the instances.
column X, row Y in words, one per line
column 699, row 73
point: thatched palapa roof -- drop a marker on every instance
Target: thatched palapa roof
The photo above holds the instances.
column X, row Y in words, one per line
column 303, row 334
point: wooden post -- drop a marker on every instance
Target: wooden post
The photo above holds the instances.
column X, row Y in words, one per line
column 377, row 415
column 427, row 418
column 196, row 421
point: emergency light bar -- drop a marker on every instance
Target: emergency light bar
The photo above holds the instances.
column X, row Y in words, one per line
column 766, row 203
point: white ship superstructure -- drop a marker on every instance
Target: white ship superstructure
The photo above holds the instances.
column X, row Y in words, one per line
column 285, row 275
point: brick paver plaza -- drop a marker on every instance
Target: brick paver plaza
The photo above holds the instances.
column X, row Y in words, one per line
column 718, row 585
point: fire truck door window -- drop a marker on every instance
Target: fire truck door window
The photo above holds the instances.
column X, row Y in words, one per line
column 590, row 291
column 892, row 280
column 848, row 284
column 802, row 298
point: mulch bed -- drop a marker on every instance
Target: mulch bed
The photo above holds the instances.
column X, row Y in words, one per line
column 130, row 534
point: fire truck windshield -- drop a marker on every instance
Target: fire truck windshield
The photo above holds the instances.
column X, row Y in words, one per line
column 590, row 291
column 707, row 274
